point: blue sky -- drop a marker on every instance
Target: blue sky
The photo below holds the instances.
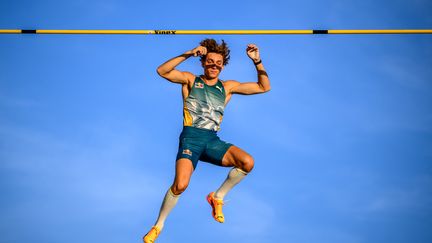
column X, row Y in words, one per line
column 342, row 143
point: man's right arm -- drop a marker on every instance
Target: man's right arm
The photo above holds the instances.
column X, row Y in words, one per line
column 167, row 70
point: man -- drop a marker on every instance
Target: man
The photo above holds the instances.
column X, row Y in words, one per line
column 205, row 97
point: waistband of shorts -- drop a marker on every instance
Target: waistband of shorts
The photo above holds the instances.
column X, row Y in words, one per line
column 198, row 131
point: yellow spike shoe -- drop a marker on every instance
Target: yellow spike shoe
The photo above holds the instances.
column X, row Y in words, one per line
column 152, row 235
column 216, row 205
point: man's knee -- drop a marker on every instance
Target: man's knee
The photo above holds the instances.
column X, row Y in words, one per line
column 179, row 188
column 247, row 163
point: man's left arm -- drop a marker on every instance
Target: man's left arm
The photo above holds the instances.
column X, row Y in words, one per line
column 263, row 83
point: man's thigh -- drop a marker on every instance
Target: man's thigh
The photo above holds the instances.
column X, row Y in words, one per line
column 184, row 169
column 235, row 156
column 215, row 151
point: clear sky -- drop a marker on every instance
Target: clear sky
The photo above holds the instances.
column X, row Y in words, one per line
column 342, row 142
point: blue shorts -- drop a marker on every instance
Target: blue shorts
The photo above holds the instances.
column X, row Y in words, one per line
column 201, row 144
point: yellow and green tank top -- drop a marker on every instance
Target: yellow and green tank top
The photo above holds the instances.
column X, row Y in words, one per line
column 204, row 107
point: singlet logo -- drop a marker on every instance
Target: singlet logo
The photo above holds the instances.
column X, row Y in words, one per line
column 199, row 85
column 219, row 88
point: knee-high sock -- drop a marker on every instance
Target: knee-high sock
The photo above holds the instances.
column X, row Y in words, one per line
column 234, row 177
column 170, row 200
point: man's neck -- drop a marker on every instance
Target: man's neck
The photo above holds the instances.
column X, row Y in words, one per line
column 209, row 81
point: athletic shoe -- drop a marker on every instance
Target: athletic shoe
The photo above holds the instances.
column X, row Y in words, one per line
column 151, row 236
column 216, row 205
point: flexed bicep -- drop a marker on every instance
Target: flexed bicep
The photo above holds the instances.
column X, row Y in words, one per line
column 176, row 76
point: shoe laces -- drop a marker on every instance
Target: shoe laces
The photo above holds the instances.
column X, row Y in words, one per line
column 156, row 230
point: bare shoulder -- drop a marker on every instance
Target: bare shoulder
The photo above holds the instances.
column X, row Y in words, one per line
column 190, row 77
column 229, row 84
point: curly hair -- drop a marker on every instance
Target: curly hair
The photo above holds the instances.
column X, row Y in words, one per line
column 213, row 46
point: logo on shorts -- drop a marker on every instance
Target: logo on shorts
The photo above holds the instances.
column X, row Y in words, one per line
column 199, row 85
column 187, row 152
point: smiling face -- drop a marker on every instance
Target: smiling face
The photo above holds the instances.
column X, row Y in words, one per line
column 213, row 65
